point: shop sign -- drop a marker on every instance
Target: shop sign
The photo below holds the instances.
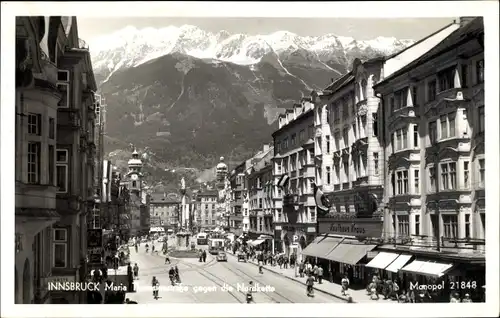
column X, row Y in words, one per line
column 354, row 227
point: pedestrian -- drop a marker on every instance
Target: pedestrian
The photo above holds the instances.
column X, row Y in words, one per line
column 320, row 274
column 466, row 299
column 301, row 269
column 167, row 258
column 292, row 260
column 345, row 285
column 130, row 276
column 315, row 272
column 204, row 256
column 136, row 271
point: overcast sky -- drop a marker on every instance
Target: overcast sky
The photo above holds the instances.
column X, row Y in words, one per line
column 358, row 28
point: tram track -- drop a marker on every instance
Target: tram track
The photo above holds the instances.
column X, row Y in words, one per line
column 271, row 295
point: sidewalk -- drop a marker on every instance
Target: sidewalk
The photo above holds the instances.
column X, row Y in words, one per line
column 332, row 289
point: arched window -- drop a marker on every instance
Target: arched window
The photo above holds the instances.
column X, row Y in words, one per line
column 364, row 87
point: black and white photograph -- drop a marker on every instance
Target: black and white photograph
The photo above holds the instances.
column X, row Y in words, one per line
column 249, row 154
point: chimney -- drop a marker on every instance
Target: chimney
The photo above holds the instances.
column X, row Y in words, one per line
column 465, row 20
column 265, row 148
column 332, row 79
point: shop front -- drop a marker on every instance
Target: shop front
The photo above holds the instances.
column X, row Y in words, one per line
column 341, row 249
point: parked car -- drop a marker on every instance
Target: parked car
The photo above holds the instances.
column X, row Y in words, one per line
column 221, row 256
column 242, row 257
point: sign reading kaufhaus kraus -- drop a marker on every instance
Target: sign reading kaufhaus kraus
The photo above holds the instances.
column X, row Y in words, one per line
column 354, row 226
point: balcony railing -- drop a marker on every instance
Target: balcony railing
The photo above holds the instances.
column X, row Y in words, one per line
column 82, row 44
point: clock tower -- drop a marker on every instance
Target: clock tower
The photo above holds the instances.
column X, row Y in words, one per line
column 134, row 173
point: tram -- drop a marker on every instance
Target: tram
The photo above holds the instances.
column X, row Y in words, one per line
column 215, row 245
column 202, row 239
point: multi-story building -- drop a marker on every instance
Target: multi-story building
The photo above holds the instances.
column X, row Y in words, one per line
column 206, row 209
column 434, row 141
column 165, row 207
column 260, row 199
column 237, row 181
column 139, row 199
column 294, row 156
column 351, row 161
column 54, row 146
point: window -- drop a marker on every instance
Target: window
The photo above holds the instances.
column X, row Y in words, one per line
column 345, row 108
column 327, row 143
column 403, row 225
column 328, row 175
column 52, row 128
column 392, row 103
column 401, row 138
column 480, row 72
column 311, row 131
column 337, row 113
column 467, row 225
column 294, row 139
column 416, row 180
column 448, row 176
column 432, row 179
column 345, row 165
column 62, row 162
column 446, row 79
column 260, row 203
column 354, row 130
column 432, row 132
column 451, row 125
column 364, row 89
column 464, row 75
column 416, row 136
column 346, row 137
column 34, row 124
column 34, row 156
column 302, row 135
column 134, row 184
column 444, row 127
column 337, row 172
column 285, row 143
column 480, row 111
column 431, row 91
column 375, row 125
column 52, row 165
column 481, row 172
column 450, row 226
column 414, row 96
column 63, row 76
column 401, row 98
column 336, row 136
column 417, row 224
column 60, row 244
column 65, row 100
column 466, row 175
column 375, row 163
column 402, row 182
column 327, row 111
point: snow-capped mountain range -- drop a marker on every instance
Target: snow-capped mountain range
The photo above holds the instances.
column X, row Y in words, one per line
column 131, row 47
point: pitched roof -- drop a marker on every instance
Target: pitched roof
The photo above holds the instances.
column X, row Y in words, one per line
column 465, row 33
column 208, row 193
column 162, row 198
column 340, row 82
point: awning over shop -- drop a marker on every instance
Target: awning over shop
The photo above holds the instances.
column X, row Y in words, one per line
column 427, row 268
column 321, row 246
column 349, row 252
column 257, row 242
column 398, row 263
column 382, row 260
column 265, row 237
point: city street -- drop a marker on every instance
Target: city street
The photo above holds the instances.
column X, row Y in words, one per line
column 202, row 282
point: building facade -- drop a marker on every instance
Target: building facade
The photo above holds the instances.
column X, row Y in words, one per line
column 434, row 141
column 54, row 113
column 294, row 156
column 436, row 154
column 206, row 209
column 237, row 182
column 260, row 200
column 165, row 207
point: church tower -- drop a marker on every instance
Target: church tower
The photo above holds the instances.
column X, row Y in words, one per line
column 135, row 173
